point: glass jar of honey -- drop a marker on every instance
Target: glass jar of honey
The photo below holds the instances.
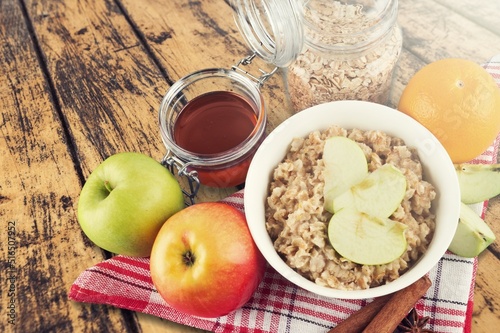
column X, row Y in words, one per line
column 212, row 121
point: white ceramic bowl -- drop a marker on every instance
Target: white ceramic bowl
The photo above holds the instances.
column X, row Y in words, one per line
column 438, row 169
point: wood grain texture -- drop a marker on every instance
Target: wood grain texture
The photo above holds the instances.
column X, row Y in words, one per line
column 486, row 301
column 44, row 250
column 433, row 31
column 81, row 80
column 107, row 86
column 484, row 15
column 201, row 34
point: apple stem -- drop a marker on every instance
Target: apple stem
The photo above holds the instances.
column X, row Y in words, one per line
column 188, row 258
column 108, row 186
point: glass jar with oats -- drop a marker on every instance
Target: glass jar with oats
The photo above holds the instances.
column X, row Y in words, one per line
column 330, row 50
column 350, row 52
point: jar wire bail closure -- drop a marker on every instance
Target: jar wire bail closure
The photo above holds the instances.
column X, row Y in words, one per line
column 176, row 166
column 247, row 61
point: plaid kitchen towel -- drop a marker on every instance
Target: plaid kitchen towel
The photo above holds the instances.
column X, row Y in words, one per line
column 278, row 305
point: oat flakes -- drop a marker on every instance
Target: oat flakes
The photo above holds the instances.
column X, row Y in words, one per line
column 298, row 224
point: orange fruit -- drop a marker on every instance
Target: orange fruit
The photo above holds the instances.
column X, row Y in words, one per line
column 459, row 102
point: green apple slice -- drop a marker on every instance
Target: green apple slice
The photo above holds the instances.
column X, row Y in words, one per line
column 379, row 194
column 473, row 235
column 345, row 165
column 365, row 239
column 478, row 182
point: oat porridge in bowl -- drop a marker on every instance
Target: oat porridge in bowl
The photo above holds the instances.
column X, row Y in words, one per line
column 284, row 198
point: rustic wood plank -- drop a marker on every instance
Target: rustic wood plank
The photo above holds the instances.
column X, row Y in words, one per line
column 93, row 54
column 106, row 84
column 42, row 249
column 188, row 35
column 406, row 67
column 152, row 324
column 492, row 218
column 433, row 31
column 486, row 314
column 211, row 39
column 484, row 14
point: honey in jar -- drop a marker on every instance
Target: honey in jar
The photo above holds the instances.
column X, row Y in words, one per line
column 212, row 121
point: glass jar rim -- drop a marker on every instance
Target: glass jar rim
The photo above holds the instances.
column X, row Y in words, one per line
column 227, row 156
column 272, row 30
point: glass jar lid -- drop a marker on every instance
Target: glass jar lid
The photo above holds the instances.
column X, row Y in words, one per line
column 272, row 29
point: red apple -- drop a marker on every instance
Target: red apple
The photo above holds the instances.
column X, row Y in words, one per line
column 204, row 261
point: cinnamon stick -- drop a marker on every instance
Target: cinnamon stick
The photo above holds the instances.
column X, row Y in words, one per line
column 384, row 313
column 389, row 317
column 361, row 318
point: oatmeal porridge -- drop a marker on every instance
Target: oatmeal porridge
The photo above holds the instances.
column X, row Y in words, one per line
column 298, row 224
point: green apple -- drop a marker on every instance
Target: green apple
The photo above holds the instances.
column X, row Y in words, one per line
column 379, row 194
column 473, row 235
column 204, row 260
column 125, row 201
column 365, row 239
column 345, row 165
column 478, row 182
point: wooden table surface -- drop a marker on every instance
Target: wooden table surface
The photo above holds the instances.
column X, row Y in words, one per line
column 81, row 80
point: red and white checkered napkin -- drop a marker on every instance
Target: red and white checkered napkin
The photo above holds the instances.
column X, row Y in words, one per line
column 277, row 305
